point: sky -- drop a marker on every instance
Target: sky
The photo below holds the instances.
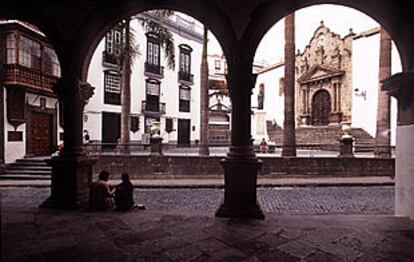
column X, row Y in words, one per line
column 338, row 18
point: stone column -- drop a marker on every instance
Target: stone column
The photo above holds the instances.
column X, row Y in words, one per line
column 241, row 164
column 401, row 86
column 2, row 130
column 382, row 136
column 289, row 136
column 126, row 92
column 72, row 170
column 204, row 99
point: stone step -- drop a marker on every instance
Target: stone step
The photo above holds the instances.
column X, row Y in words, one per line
column 24, row 177
column 26, row 172
column 28, row 167
column 30, row 162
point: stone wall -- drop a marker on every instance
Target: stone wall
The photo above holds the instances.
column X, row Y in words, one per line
column 209, row 167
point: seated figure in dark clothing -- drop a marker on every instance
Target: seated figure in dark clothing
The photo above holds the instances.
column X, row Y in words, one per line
column 124, row 194
column 101, row 196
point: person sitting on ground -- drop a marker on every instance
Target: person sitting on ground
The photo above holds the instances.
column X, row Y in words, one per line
column 124, row 194
column 101, row 195
column 263, row 146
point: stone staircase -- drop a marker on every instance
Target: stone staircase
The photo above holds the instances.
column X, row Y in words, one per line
column 28, row 169
column 325, row 138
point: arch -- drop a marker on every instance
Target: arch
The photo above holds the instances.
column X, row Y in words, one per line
column 96, row 26
column 264, row 18
column 321, row 108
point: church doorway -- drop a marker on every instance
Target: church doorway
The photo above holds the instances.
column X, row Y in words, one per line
column 321, row 107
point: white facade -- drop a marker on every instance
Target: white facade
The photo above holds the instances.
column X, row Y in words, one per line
column 185, row 32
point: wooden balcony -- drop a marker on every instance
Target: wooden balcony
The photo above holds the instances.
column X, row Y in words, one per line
column 16, row 74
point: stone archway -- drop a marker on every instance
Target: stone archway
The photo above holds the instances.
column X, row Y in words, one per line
column 321, row 108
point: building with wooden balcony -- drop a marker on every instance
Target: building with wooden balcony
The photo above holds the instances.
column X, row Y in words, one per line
column 158, row 92
column 30, row 68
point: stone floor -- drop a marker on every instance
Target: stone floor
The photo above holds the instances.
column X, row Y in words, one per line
column 33, row 234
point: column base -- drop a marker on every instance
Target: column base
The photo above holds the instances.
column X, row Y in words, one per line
column 156, row 145
column 71, row 177
column 382, row 151
column 240, row 182
column 346, row 146
column 203, row 150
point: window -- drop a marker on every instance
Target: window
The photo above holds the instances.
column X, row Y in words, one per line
column 153, row 49
column 260, row 97
column 185, row 58
column 11, row 48
column 112, row 85
column 217, row 64
column 152, row 96
column 281, row 86
column 51, row 62
column 113, row 42
column 30, row 53
column 185, row 96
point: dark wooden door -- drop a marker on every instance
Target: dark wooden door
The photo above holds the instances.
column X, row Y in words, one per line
column 41, row 134
column 321, row 108
column 111, row 129
column 183, row 132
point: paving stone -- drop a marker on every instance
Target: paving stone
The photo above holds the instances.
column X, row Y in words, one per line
column 320, row 256
column 228, row 254
column 210, row 245
column 276, row 255
column 184, row 253
column 296, row 249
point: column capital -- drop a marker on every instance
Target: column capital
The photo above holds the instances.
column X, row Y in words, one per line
column 75, row 88
column 400, row 86
column 241, row 83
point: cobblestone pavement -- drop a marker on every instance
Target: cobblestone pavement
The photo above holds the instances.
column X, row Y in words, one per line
column 282, row 200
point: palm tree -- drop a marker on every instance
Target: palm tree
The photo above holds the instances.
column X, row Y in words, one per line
column 289, row 136
column 129, row 51
column 204, row 99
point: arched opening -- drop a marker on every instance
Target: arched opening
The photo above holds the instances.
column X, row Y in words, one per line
column 336, row 85
column 165, row 85
column 321, row 108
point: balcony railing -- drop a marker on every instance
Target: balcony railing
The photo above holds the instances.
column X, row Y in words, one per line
column 16, row 74
column 152, row 70
column 110, row 59
column 185, row 78
column 153, row 108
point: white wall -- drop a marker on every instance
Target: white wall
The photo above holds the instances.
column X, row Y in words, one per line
column 169, row 89
column 365, row 78
column 16, row 150
column 404, row 169
column 273, row 107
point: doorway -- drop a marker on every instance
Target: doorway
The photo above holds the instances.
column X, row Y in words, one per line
column 321, row 108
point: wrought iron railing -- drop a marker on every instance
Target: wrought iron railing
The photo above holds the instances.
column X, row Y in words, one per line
column 153, row 108
column 185, row 78
column 154, row 70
